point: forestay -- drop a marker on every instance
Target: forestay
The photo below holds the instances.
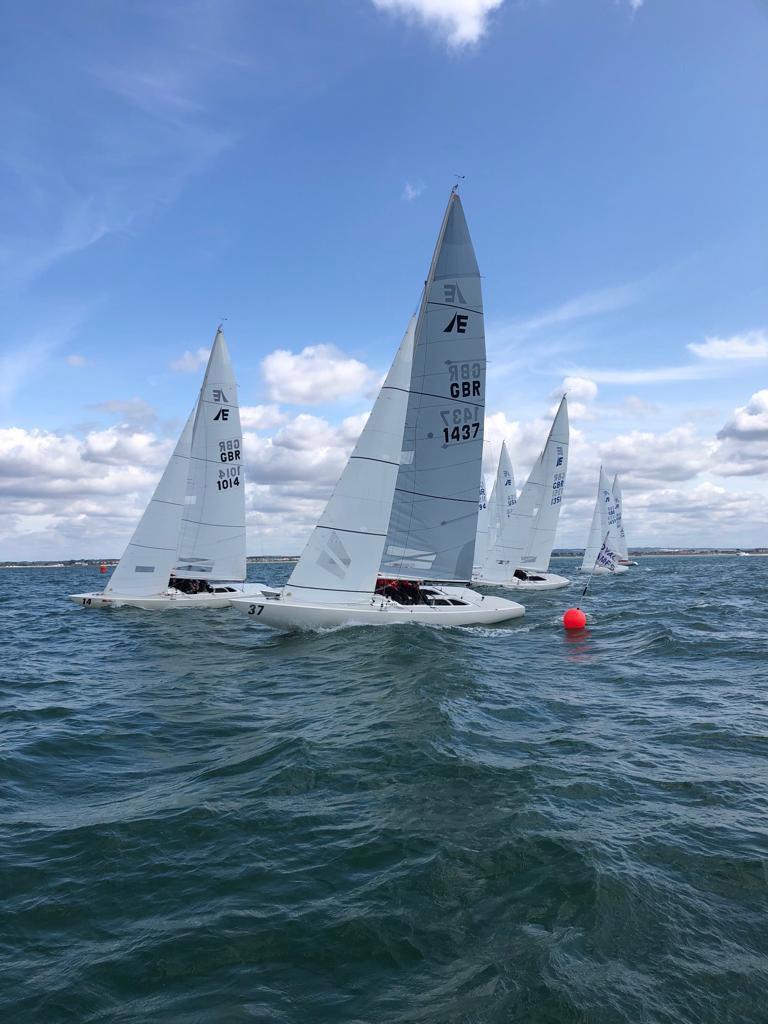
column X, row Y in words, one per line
column 433, row 525
column 145, row 568
column 212, row 538
column 541, row 498
column 340, row 563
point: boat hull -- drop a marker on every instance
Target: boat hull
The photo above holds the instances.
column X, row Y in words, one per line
column 546, row 581
column 289, row 613
column 171, row 599
column 602, row 571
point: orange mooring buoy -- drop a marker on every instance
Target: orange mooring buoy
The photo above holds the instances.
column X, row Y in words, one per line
column 103, row 567
column 574, row 618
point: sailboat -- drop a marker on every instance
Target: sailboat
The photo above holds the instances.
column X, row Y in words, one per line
column 621, row 536
column 519, row 556
column 188, row 549
column 602, row 553
column 396, row 541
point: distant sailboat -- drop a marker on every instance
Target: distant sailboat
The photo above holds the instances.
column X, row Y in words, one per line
column 602, row 553
column 526, row 538
column 193, row 528
column 400, row 526
column 621, row 536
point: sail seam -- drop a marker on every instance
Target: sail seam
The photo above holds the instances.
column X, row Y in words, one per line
column 450, row 305
column 369, row 458
column 342, row 529
column 436, row 497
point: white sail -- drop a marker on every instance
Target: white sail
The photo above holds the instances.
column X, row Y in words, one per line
column 145, row 568
column 483, row 525
column 433, row 526
column 603, row 528
column 621, row 537
column 340, row 563
column 507, row 540
column 541, row 498
column 212, row 538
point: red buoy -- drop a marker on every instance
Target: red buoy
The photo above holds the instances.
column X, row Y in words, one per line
column 103, row 567
column 574, row 618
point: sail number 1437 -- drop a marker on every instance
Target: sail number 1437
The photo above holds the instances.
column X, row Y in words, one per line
column 466, row 432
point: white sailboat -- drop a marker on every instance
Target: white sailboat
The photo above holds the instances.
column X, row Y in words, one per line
column 400, row 527
column 601, row 555
column 621, row 536
column 530, row 525
column 188, row 549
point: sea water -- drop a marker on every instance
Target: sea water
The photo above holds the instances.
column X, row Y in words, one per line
column 206, row 821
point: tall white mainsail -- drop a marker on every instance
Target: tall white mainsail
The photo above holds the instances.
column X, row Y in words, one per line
column 340, row 563
column 506, row 542
column 541, row 498
column 145, row 568
column 621, row 537
column 212, row 538
column 432, row 528
column 602, row 531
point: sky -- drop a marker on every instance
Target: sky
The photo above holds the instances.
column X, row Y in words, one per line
column 283, row 166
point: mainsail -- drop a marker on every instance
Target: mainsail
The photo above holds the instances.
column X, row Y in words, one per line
column 341, row 559
column 212, row 539
column 146, row 565
column 483, row 523
column 433, row 523
column 541, row 498
column 601, row 530
column 621, row 537
column 506, row 540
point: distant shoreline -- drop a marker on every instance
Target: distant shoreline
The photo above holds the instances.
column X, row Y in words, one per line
column 94, row 563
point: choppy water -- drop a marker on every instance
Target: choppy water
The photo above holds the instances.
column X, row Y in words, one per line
column 204, row 821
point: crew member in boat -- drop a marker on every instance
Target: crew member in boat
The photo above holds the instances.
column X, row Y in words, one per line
column 185, row 586
column 401, row 591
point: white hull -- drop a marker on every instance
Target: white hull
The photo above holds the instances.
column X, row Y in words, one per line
column 628, row 561
column 602, row 571
column 544, row 581
column 173, row 599
column 286, row 612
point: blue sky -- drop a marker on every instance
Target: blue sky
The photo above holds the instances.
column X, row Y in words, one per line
column 286, row 164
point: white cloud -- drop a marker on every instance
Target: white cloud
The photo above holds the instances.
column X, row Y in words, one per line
column 317, row 374
column 659, row 375
column 752, row 345
column 190, row 362
column 411, row 192
column 636, row 407
column 76, row 360
column 580, row 388
column 261, row 417
column 130, row 410
column 677, row 454
column 750, row 422
column 590, row 304
column 459, row 22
